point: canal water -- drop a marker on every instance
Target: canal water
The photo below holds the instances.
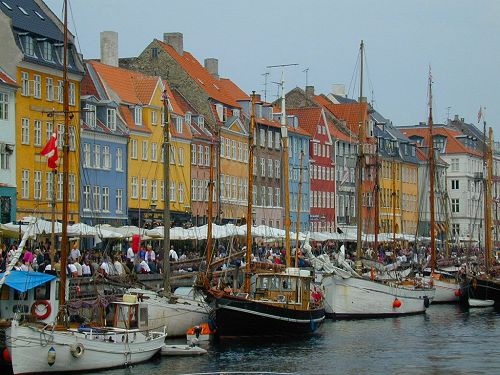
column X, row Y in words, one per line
column 445, row 340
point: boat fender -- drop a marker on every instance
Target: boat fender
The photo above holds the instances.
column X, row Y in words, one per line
column 40, row 315
column 51, row 356
column 372, row 274
column 458, row 293
column 396, row 304
column 427, row 302
column 77, row 350
column 6, row 355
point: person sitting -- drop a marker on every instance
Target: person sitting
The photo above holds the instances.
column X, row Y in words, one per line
column 71, row 269
column 144, row 268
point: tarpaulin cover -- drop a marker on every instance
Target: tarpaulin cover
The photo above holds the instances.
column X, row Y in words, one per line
column 26, row 280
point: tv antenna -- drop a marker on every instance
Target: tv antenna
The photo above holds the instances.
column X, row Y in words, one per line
column 306, row 71
column 266, row 74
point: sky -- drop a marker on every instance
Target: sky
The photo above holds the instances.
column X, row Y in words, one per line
column 457, row 38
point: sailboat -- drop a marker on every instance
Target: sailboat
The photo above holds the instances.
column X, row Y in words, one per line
column 348, row 295
column 121, row 338
column 447, row 287
column 483, row 288
column 273, row 301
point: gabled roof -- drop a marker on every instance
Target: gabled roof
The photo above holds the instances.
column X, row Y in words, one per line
column 126, row 114
column 453, row 145
column 211, row 85
column 5, row 78
column 131, row 87
column 337, row 134
column 233, row 90
column 309, row 118
column 351, row 113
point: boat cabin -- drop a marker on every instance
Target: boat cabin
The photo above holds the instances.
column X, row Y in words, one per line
column 291, row 288
column 127, row 314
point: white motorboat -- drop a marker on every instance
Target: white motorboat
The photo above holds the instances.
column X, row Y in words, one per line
column 447, row 289
column 473, row 302
column 125, row 340
column 182, row 350
column 176, row 314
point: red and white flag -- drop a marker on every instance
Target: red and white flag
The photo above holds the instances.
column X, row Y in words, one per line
column 480, row 114
column 50, row 151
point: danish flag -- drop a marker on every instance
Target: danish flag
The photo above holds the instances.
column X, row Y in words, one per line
column 50, row 151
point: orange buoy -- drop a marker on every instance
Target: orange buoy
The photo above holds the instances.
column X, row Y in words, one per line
column 458, row 293
column 396, row 304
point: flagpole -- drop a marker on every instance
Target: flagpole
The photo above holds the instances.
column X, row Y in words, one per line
column 53, row 218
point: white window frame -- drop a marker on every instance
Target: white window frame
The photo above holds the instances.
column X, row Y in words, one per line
column 111, row 118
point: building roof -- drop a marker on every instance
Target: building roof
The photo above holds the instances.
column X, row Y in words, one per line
column 453, row 145
column 211, row 85
column 309, row 118
column 337, row 134
column 351, row 113
column 5, row 78
column 233, row 90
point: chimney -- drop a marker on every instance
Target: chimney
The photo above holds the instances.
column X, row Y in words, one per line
column 175, row 40
column 258, row 98
column 338, row 89
column 109, row 48
column 310, row 90
column 456, row 118
column 212, row 65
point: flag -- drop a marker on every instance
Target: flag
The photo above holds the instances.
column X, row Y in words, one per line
column 480, row 114
column 50, row 151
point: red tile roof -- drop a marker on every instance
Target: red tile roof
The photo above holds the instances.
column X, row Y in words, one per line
column 453, row 145
column 132, row 87
column 126, row 113
column 351, row 113
column 309, row 118
column 337, row 134
column 200, row 75
column 233, row 90
column 5, row 78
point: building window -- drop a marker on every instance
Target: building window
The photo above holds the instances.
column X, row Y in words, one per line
column 60, row 90
column 37, row 86
column 4, row 106
column 154, row 190
column 133, row 148
column 72, row 138
column 111, row 119
column 134, row 188
column 37, row 133
column 49, row 89
column 172, row 154
column 25, row 131
column 277, row 169
column 262, row 137
column 245, row 153
column 194, row 189
column 193, row 153
column 47, row 51
column 28, row 45
column 49, row 131
column 154, row 151
column 455, row 230
column 200, row 154
column 144, row 188
column 172, row 191
column 228, row 148
column 222, row 148
column 97, row 156
column 455, row 184
column 270, row 196
column 263, row 196
column 97, row 198
column 181, row 155
column 154, row 117
column 106, row 157
column 233, row 148
column 181, row 192
column 119, row 159
column 25, row 84
column 240, row 151
column 269, row 139
column 144, row 150
column 138, row 115
column 105, row 199
column 4, row 159
column 60, row 135
column 263, row 167
column 90, row 115
column 277, row 141
column 72, row 93
column 37, row 185
column 178, row 124
column 270, row 170
column 119, row 200
column 455, row 205
column 222, row 186
column 72, row 187
column 207, row 156
column 86, row 198
column 455, row 165
column 25, row 184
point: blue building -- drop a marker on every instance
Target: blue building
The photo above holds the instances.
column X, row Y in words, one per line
column 298, row 144
column 103, row 158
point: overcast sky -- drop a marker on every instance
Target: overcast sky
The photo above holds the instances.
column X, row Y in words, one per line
column 459, row 38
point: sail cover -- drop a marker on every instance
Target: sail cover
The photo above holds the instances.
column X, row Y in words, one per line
column 26, row 280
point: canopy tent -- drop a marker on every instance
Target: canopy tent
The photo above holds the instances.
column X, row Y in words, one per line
column 85, row 230
column 39, row 226
column 26, row 280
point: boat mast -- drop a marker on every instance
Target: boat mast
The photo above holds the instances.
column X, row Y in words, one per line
column 377, row 202
column 447, row 222
column 487, row 202
column 166, row 185
column 361, row 165
column 251, row 146
column 284, row 137
column 394, row 196
column 210, row 205
column 64, row 239
column 299, row 202
column 431, row 162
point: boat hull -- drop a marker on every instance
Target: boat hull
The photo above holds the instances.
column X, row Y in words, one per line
column 357, row 298
column 481, row 289
column 29, row 350
column 242, row 317
column 446, row 291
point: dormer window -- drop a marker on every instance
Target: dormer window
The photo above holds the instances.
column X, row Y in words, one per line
column 187, row 117
column 47, row 51
column 111, row 118
column 236, row 112
column 178, row 124
column 138, row 115
column 154, row 52
column 220, row 111
column 439, row 142
column 90, row 115
column 28, row 44
column 201, row 121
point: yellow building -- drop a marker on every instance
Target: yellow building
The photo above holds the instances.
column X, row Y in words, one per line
column 141, row 109
column 32, row 51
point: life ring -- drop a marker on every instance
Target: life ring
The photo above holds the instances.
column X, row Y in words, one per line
column 39, row 315
column 77, row 350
